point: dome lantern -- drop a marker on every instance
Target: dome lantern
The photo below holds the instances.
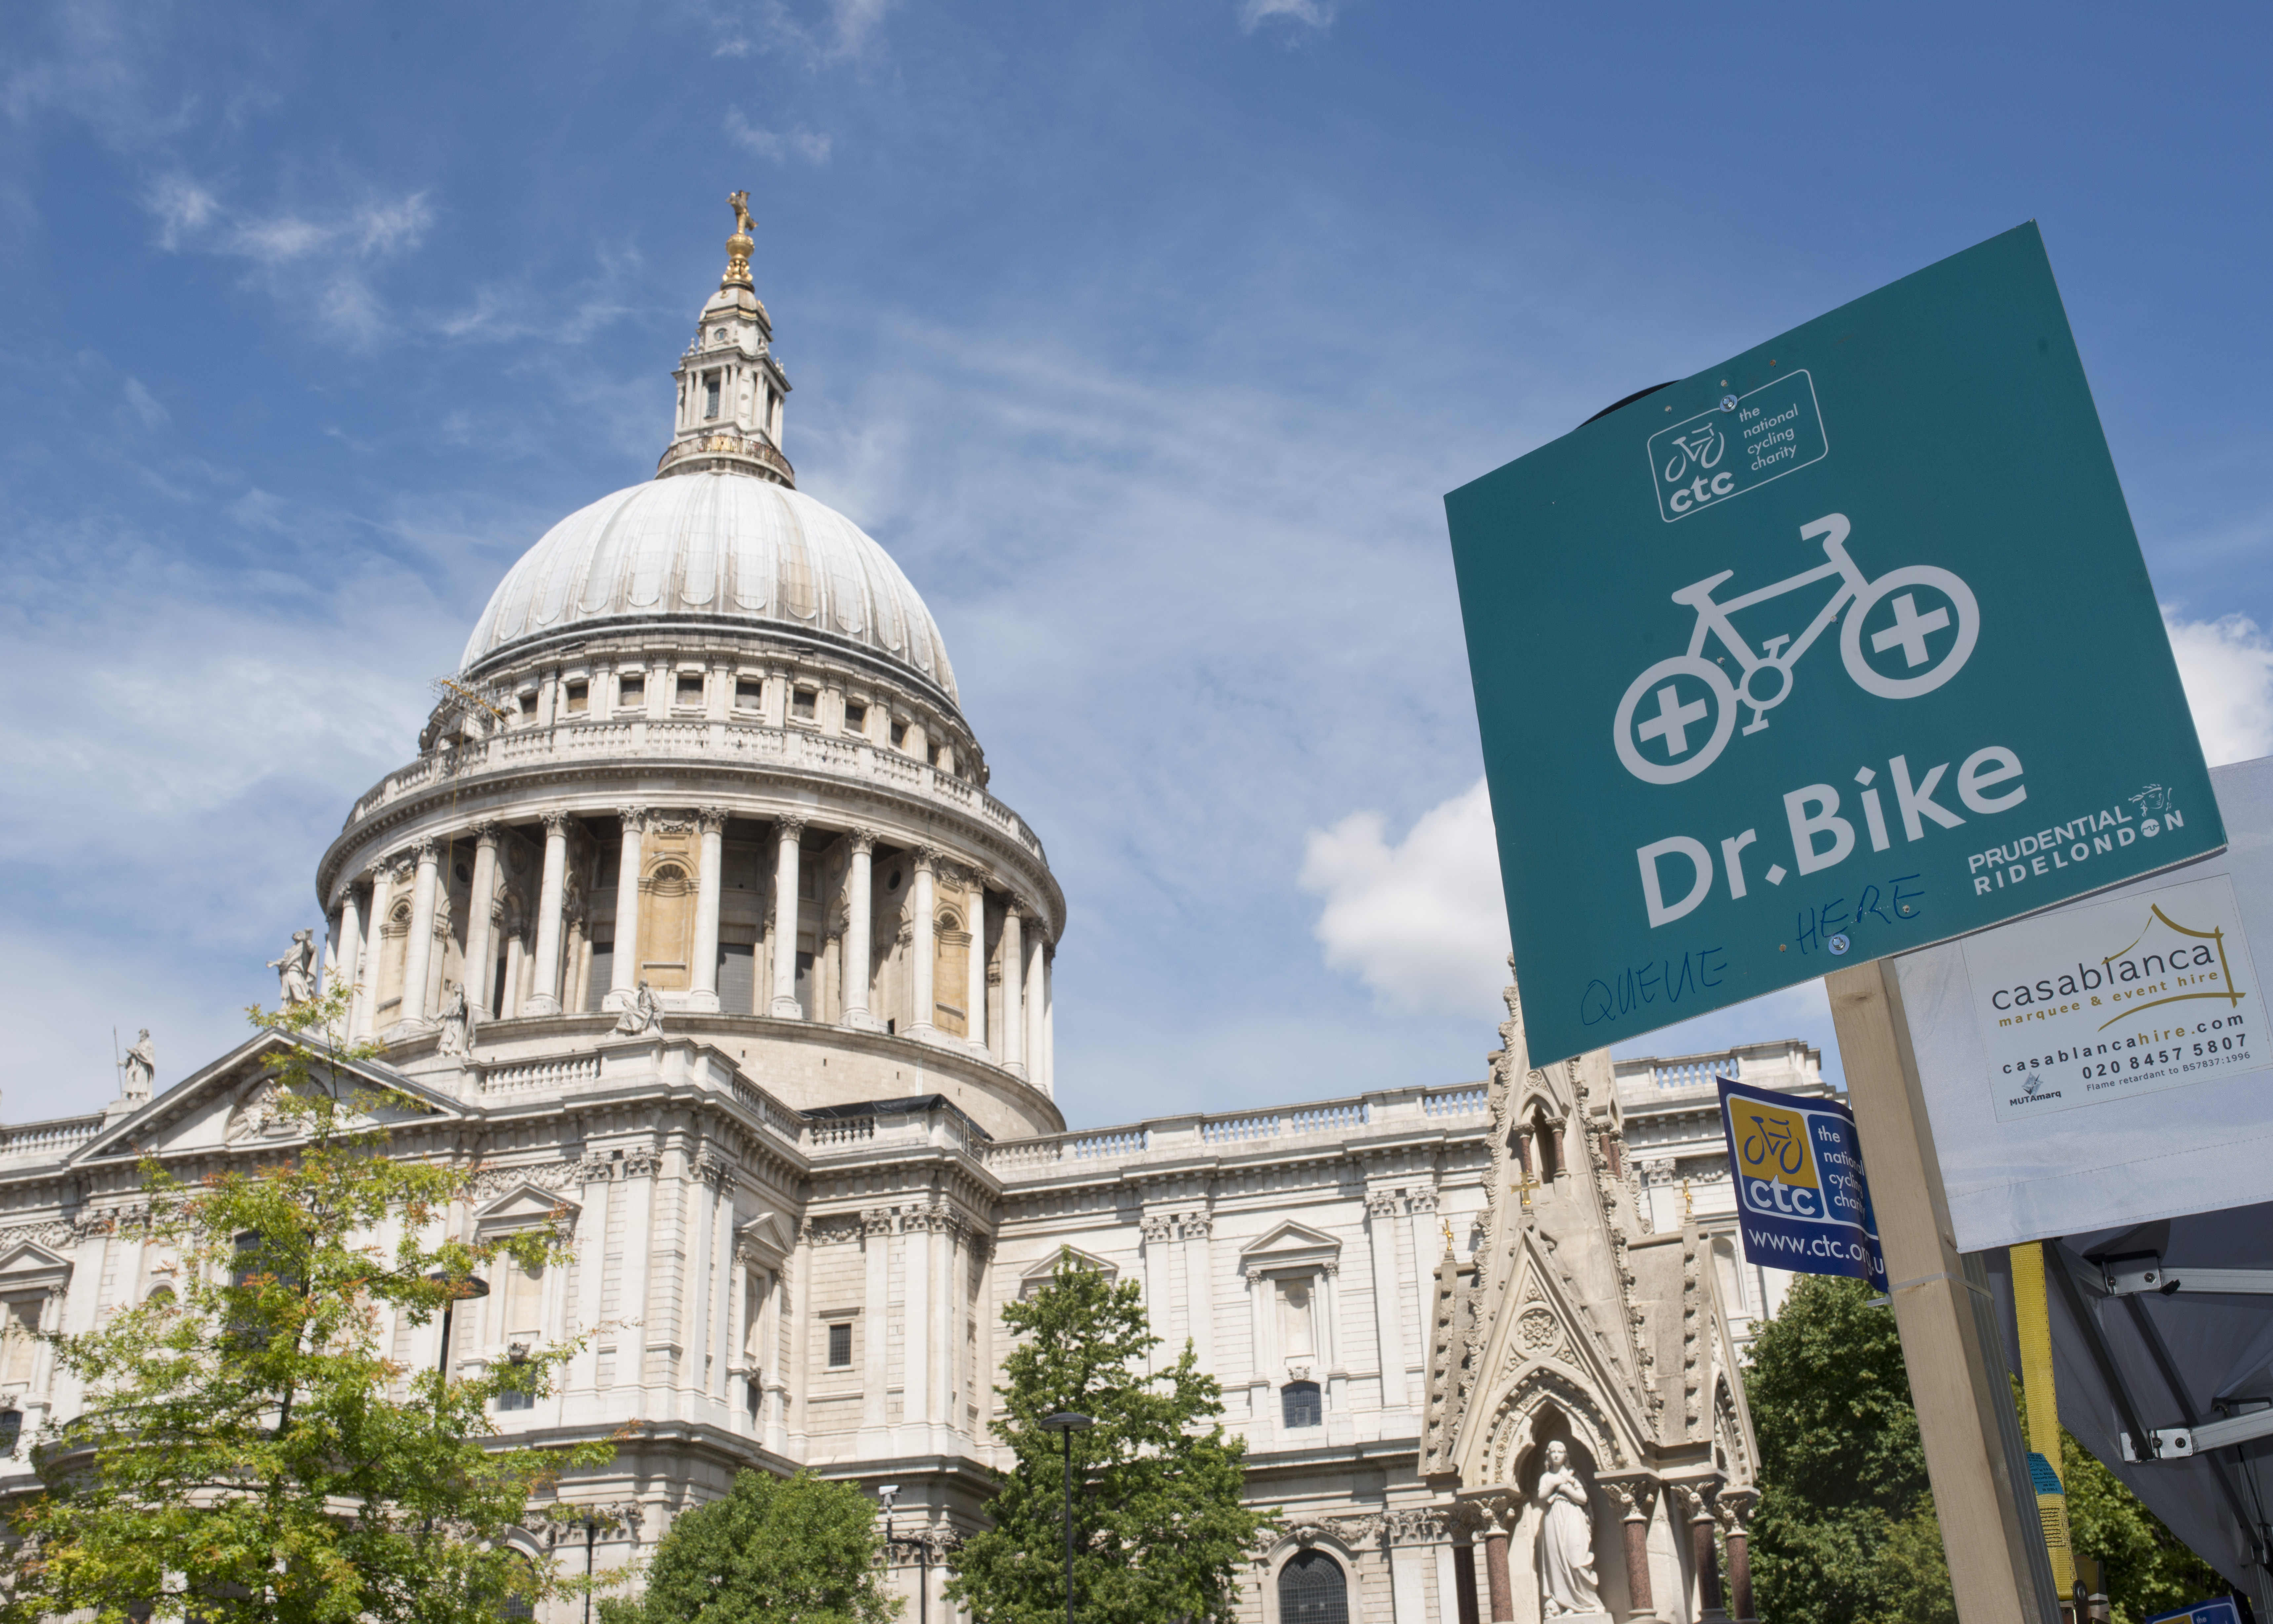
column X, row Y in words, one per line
column 732, row 387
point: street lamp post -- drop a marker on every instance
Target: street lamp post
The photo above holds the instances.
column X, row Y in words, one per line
column 468, row 1286
column 890, row 1493
column 1066, row 1423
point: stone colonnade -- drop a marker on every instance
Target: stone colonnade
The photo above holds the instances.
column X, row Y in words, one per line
column 356, row 926
column 1692, row 1507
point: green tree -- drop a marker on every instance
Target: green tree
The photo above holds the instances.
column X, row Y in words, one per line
column 1843, row 1477
column 1160, row 1526
column 246, row 1447
column 774, row 1551
column 1846, row 1532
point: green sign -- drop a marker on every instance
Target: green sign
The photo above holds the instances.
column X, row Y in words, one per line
column 1840, row 648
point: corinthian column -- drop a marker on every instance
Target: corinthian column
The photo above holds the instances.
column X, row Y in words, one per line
column 922, row 951
column 623, row 980
column 1734, row 1509
column 974, row 1024
column 1014, row 982
column 1502, row 1593
column 418, row 952
column 1697, row 1505
column 347, row 966
column 481, row 972
column 712, row 821
column 859, row 921
column 1634, row 1497
column 1036, row 1005
column 544, row 993
column 785, row 1006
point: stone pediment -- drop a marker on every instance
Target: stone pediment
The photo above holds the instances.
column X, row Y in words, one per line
column 525, row 1205
column 767, row 1239
column 1289, row 1248
column 228, row 1107
column 1039, row 1274
column 30, row 1266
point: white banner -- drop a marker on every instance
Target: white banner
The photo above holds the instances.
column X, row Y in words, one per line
column 2105, row 1063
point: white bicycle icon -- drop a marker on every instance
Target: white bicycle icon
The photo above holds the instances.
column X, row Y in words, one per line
column 1765, row 681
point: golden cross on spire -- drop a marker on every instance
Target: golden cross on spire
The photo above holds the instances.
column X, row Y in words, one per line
column 1526, row 1187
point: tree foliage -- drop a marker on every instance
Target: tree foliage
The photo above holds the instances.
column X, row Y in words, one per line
column 1837, row 1539
column 774, row 1551
column 1160, row 1526
column 1846, row 1532
column 247, row 1447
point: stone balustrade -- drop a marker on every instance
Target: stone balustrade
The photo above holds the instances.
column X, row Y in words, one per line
column 52, row 1138
column 842, row 759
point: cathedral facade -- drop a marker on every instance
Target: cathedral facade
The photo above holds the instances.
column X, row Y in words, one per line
column 694, row 919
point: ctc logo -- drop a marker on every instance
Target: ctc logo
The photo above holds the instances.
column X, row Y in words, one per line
column 1774, row 1196
column 1701, row 490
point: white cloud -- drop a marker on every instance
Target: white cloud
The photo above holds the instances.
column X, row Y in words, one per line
column 2227, row 668
column 779, row 146
column 1421, row 922
column 1254, row 13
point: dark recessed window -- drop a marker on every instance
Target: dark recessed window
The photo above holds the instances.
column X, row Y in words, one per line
column 892, row 880
column 710, row 396
column 631, row 690
column 464, row 878
column 1298, row 1405
column 11, row 1428
column 802, row 703
column 899, row 734
column 749, row 693
column 840, row 1346
column 856, row 717
column 580, row 696
column 515, row 1401
column 690, row 688
column 528, row 704
column 1313, row 1590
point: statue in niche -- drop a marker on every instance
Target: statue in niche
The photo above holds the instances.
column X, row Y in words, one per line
column 1566, row 1536
column 456, row 1017
column 296, row 971
column 139, row 1067
column 642, row 1016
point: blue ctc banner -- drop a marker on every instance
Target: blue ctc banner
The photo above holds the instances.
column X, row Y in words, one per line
column 1801, row 1200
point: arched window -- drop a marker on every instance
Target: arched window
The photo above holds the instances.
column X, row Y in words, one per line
column 160, row 1297
column 518, row 1604
column 1312, row 1591
column 1299, row 1405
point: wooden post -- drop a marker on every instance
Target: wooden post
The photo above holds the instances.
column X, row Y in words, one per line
column 1998, row 1568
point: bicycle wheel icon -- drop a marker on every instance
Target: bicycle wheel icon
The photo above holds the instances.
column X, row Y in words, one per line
column 1663, row 712
column 1919, row 624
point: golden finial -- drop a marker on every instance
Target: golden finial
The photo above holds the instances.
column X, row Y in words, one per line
column 739, row 245
column 1686, row 1205
column 1449, row 1248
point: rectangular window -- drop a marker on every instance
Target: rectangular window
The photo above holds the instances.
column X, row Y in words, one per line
column 710, row 396
column 899, row 734
column 603, row 972
column 749, row 693
column 1299, row 1405
column 580, row 696
column 528, row 706
column 856, row 717
column 802, row 703
column 840, row 1346
column 18, row 1320
column 515, row 1401
column 631, row 690
column 690, row 688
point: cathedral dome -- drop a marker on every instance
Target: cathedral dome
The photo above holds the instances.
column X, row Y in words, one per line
column 721, row 547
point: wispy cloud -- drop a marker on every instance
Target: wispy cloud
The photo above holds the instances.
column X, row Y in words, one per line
column 780, row 146
column 145, row 405
column 1254, row 13
column 321, row 260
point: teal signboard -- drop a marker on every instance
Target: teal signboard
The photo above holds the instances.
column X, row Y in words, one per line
column 1837, row 649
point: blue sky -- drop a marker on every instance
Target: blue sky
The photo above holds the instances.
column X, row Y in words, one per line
column 1146, row 338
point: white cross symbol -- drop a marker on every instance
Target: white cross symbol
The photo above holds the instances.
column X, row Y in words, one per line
column 1672, row 720
column 1910, row 629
